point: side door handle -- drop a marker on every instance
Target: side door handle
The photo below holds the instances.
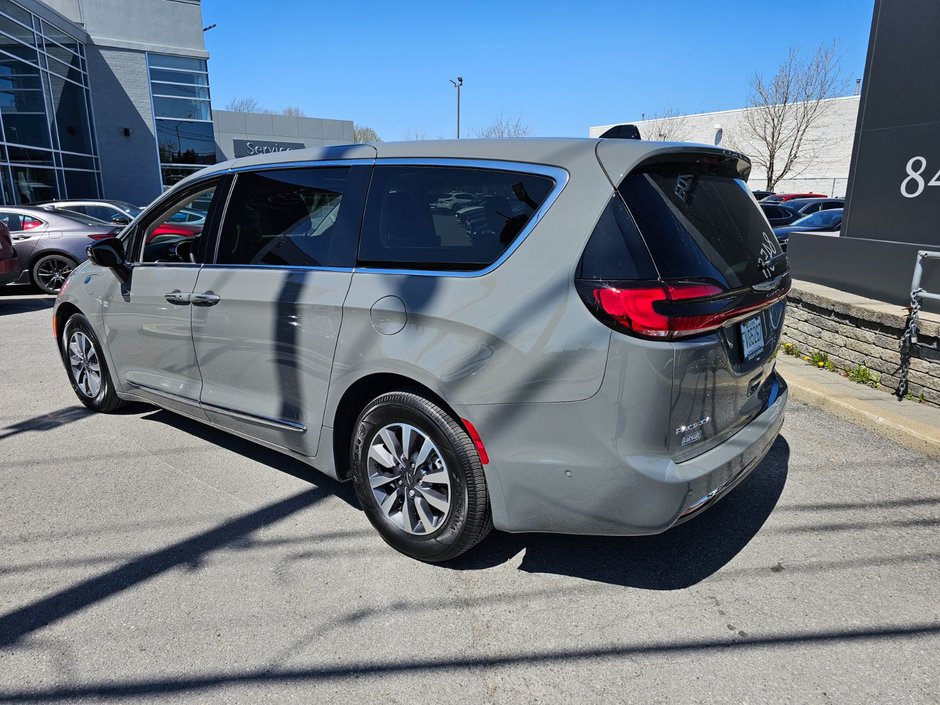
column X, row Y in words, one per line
column 205, row 299
column 178, row 298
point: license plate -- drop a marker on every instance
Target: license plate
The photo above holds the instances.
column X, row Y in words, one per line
column 752, row 337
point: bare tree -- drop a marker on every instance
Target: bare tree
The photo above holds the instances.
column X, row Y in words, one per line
column 416, row 136
column 293, row 111
column 667, row 126
column 781, row 112
column 504, row 128
column 361, row 134
column 245, row 105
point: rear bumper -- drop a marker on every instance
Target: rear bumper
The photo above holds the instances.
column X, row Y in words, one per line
column 590, row 490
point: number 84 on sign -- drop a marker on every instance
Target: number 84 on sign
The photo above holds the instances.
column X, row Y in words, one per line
column 913, row 185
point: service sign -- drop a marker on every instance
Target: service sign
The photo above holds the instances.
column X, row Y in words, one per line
column 248, row 148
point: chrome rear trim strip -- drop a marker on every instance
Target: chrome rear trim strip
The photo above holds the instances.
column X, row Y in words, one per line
column 266, row 421
column 257, row 420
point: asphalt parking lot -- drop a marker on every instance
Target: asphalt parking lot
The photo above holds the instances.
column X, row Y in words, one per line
column 147, row 558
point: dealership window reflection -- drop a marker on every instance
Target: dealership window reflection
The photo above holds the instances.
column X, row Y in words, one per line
column 179, row 87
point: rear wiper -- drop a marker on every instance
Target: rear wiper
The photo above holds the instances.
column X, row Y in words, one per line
column 770, row 264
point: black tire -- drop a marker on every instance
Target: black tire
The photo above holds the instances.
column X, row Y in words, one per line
column 468, row 519
column 50, row 271
column 105, row 399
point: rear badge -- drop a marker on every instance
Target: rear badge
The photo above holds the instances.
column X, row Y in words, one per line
column 691, row 438
column 692, row 432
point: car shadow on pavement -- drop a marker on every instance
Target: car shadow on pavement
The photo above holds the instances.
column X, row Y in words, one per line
column 13, row 306
column 676, row 559
column 253, row 451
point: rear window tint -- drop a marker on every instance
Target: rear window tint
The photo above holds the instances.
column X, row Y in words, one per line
column 700, row 226
column 616, row 250
column 429, row 217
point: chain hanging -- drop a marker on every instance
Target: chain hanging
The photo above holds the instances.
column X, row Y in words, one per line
column 908, row 340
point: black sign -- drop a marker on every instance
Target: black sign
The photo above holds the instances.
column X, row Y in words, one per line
column 894, row 181
column 247, row 148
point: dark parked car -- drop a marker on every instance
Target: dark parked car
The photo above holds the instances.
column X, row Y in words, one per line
column 807, row 206
column 9, row 263
column 779, row 215
column 120, row 212
column 759, row 195
column 820, row 221
column 50, row 243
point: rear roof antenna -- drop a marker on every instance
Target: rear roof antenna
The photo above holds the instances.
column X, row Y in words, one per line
column 623, row 132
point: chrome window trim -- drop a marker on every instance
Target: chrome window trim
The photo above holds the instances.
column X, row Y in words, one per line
column 305, row 164
column 285, row 267
column 559, row 174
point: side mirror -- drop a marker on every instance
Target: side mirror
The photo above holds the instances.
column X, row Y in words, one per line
column 120, row 219
column 109, row 253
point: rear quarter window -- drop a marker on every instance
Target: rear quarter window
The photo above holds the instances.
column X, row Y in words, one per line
column 450, row 218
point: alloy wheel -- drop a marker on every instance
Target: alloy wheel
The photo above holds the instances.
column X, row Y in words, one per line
column 409, row 478
column 83, row 361
column 53, row 271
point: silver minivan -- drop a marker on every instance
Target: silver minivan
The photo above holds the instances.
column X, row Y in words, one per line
column 590, row 350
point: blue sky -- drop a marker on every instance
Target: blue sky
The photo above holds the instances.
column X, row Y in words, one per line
column 560, row 66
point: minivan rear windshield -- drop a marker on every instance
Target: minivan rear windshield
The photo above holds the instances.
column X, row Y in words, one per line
column 700, row 225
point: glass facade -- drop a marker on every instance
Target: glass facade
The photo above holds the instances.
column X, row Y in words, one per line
column 47, row 144
column 185, row 139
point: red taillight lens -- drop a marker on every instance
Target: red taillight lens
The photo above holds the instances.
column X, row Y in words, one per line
column 646, row 310
column 99, row 236
column 667, row 310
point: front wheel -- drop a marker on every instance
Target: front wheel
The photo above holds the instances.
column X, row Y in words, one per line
column 419, row 478
column 86, row 366
column 50, row 272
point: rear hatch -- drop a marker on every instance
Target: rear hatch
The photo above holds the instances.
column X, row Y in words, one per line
column 687, row 257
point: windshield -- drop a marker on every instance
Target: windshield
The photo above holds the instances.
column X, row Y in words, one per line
column 826, row 219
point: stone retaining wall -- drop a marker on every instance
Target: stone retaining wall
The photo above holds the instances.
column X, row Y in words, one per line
column 854, row 331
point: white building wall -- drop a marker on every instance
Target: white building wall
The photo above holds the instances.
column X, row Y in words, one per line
column 822, row 168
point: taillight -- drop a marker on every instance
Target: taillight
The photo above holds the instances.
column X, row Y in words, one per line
column 664, row 310
column 99, row 236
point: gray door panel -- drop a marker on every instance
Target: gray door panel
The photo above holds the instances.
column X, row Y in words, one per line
column 150, row 338
column 265, row 349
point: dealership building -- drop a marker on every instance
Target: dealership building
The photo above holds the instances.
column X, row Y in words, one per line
column 111, row 99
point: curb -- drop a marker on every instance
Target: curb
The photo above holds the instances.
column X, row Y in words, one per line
column 914, row 428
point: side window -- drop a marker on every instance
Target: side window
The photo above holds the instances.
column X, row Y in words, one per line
column 460, row 218
column 17, row 222
column 166, row 239
column 100, row 212
column 305, row 217
column 78, row 209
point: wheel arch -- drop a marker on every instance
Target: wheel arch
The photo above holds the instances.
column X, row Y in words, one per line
column 62, row 314
column 354, row 400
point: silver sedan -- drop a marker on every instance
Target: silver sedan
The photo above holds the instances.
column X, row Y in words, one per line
column 50, row 244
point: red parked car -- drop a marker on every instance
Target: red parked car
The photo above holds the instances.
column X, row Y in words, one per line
column 179, row 229
column 781, row 197
column 9, row 264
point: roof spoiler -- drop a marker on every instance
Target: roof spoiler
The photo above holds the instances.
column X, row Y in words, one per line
column 622, row 132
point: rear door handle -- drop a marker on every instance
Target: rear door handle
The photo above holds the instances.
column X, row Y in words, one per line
column 178, row 298
column 205, row 299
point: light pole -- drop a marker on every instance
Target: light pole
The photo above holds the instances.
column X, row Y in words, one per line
column 457, row 84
